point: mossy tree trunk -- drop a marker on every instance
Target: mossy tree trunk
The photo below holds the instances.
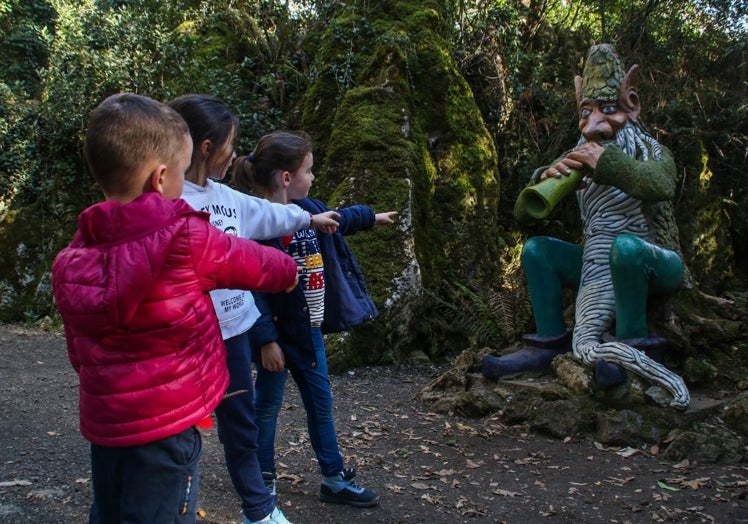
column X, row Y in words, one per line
column 396, row 127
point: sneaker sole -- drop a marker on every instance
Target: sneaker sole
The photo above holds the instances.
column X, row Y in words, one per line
column 356, row 504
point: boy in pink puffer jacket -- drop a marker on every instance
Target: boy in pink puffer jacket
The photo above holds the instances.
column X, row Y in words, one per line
column 132, row 289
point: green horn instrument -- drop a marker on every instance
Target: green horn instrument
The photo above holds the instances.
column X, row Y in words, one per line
column 538, row 200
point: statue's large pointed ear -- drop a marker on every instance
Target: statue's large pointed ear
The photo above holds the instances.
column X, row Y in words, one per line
column 578, row 87
column 629, row 97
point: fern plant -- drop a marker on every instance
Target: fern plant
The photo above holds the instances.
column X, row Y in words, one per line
column 491, row 316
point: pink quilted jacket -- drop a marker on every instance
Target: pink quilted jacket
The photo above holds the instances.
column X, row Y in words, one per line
column 132, row 289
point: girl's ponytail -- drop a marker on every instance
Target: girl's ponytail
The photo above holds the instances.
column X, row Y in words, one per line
column 243, row 175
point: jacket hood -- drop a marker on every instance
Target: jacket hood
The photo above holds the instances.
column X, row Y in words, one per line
column 121, row 249
column 110, row 222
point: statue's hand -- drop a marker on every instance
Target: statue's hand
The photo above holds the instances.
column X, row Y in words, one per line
column 561, row 168
column 586, row 156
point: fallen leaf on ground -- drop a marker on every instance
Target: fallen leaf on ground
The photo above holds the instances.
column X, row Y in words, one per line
column 505, row 493
column 295, row 479
column 473, row 512
column 619, row 482
column 693, row 484
column 551, row 511
column 11, row 483
column 665, row 486
column 432, row 499
column 473, row 465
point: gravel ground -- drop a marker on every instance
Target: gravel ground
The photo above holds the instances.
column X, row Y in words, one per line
column 427, row 467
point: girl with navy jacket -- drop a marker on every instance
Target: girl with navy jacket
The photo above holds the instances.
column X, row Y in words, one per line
column 331, row 297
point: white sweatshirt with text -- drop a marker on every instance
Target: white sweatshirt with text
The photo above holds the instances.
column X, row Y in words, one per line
column 245, row 216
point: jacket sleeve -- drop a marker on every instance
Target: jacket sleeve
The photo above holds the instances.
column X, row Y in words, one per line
column 355, row 218
column 265, row 220
column 227, row 262
column 352, row 219
column 264, row 329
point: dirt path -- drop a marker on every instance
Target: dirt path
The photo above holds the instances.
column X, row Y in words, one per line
column 427, row 467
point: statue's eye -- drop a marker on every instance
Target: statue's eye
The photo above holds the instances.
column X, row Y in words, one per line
column 585, row 112
column 609, row 109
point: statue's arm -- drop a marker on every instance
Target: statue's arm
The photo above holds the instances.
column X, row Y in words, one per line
column 650, row 180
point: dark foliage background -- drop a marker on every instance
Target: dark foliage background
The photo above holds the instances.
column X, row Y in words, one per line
column 60, row 58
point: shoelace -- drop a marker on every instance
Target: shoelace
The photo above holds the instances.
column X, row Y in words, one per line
column 348, row 476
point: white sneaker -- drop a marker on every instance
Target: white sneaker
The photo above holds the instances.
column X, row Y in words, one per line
column 275, row 517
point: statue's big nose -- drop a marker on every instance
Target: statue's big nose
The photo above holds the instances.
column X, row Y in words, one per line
column 597, row 128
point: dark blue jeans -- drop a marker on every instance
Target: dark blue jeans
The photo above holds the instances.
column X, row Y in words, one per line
column 156, row 482
column 238, row 432
column 313, row 382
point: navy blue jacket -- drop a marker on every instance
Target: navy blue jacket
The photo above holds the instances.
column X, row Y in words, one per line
column 284, row 317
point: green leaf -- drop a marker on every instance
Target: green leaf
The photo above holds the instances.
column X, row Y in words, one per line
column 665, row 486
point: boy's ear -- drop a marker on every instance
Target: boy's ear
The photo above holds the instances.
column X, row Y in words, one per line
column 156, row 180
column 285, row 178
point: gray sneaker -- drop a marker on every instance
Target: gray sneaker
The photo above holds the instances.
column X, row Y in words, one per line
column 348, row 492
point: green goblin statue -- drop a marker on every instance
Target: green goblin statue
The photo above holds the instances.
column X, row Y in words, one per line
column 630, row 247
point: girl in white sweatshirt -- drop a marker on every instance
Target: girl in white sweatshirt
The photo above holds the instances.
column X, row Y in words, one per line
column 214, row 130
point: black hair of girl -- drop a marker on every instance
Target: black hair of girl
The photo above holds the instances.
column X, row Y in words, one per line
column 242, row 176
column 208, row 118
column 277, row 151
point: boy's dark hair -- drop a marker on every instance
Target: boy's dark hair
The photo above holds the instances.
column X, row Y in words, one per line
column 278, row 151
column 208, row 118
column 124, row 133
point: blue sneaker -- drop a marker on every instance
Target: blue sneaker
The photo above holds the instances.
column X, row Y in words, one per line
column 342, row 489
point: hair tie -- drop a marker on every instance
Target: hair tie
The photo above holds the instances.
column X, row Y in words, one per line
column 251, row 157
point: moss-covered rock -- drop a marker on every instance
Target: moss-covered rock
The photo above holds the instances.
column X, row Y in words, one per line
column 399, row 130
